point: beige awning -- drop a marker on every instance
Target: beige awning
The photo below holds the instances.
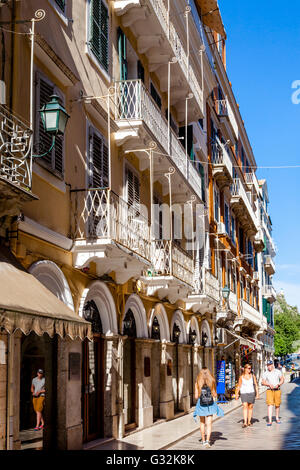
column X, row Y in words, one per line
column 243, row 341
column 26, row 305
column 211, row 16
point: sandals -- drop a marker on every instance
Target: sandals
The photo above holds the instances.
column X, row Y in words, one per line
column 278, row 421
column 37, row 428
column 269, row 424
column 245, row 425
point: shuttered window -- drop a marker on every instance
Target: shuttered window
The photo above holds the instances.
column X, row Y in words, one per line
column 54, row 160
column 99, row 31
column 61, row 4
column 158, row 219
column 227, row 224
column 155, row 95
column 132, row 188
column 98, row 161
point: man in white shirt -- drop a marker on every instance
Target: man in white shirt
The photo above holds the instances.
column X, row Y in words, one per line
column 273, row 379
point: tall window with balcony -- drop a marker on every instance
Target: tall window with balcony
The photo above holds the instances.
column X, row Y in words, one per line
column 99, row 32
column 54, row 160
column 217, row 204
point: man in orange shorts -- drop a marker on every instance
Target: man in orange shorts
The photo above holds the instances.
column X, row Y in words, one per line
column 38, row 392
column 273, row 379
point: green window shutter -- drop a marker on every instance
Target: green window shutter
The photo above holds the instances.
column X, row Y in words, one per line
column 122, row 50
column 61, row 4
column 99, row 32
column 99, row 165
column 265, row 307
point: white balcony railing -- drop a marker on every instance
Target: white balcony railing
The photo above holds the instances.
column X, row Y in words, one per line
column 269, row 292
column 237, row 189
column 220, row 156
column 233, row 303
column 212, row 286
column 168, row 259
column 101, row 214
column 15, row 150
column 133, row 103
column 250, row 313
column 170, row 31
column 269, row 264
column 221, row 108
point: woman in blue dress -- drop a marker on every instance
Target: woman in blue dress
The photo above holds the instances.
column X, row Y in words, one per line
column 205, row 391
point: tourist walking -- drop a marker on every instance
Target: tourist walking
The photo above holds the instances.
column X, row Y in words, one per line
column 206, row 407
column 273, row 379
column 248, row 390
column 38, row 392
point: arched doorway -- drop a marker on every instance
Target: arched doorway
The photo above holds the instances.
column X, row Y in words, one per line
column 129, row 372
column 92, row 377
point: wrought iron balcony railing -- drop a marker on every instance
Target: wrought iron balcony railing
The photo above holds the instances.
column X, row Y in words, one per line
column 169, row 259
column 178, row 49
column 101, row 214
column 15, row 150
column 133, row 103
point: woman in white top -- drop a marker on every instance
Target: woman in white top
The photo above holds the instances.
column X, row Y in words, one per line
column 248, row 389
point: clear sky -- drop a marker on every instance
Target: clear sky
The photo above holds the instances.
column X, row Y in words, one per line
column 263, row 60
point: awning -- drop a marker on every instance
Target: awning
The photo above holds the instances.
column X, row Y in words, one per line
column 26, row 305
column 244, row 342
column 211, row 16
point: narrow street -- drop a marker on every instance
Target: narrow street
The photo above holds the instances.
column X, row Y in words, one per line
column 228, row 433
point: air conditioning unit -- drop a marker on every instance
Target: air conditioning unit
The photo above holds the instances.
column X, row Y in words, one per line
column 221, row 337
column 221, row 228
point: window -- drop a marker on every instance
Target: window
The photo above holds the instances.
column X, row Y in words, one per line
column 61, row 4
column 217, row 205
column 98, row 160
column 227, row 224
column 140, row 71
column 201, row 123
column 234, row 279
column 228, row 276
column 158, row 219
column 132, row 182
column 155, row 95
column 233, row 233
column 54, row 160
column 201, row 171
column 242, row 287
column 190, row 144
column 241, row 240
column 99, row 26
column 172, row 122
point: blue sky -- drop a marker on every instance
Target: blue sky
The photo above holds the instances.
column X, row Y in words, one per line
column 263, row 58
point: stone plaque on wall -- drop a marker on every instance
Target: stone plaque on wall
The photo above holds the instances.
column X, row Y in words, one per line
column 74, row 366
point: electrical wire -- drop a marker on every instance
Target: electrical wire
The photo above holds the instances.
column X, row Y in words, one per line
column 14, row 32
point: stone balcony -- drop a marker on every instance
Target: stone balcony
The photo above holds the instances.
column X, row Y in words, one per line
column 269, row 265
column 269, row 293
column 241, row 205
column 222, row 167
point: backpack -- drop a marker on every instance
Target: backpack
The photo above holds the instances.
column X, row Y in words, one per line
column 206, row 397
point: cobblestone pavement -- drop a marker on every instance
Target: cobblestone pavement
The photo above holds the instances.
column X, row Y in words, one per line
column 228, row 434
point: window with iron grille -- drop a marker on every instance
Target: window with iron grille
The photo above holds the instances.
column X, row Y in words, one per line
column 61, row 4
column 99, row 29
column 54, row 160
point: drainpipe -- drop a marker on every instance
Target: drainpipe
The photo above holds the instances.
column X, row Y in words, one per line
column 12, row 52
column 6, row 405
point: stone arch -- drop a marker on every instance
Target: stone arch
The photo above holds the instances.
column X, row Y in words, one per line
column 135, row 304
column 160, row 313
column 101, row 295
column 206, row 328
column 52, row 277
column 194, row 325
column 179, row 319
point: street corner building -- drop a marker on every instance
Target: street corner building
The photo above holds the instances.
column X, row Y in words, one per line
column 135, row 241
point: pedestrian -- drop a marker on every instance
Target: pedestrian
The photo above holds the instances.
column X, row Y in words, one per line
column 206, row 407
column 248, row 390
column 273, row 379
column 38, row 392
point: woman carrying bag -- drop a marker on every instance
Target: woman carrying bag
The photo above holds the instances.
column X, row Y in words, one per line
column 206, row 407
column 248, row 389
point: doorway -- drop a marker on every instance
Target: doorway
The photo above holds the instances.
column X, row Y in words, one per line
column 38, row 352
column 93, row 389
column 129, row 372
column 93, row 377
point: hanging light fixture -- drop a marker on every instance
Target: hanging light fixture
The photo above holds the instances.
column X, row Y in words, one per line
column 204, row 338
column 193, row 336
column 54, row 116
column 176, row 332
column 225, row 292
column 88, row 311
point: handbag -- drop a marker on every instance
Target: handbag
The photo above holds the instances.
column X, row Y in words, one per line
column 206, row 398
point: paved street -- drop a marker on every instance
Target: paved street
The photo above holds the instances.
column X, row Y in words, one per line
column 228, row 433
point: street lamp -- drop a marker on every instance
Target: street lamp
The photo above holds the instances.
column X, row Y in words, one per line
column 88, row 311
column 54, row 118
column 193, row 336
column 176, row 333
column 155, row 329
column 204, row 339
column 225, row 292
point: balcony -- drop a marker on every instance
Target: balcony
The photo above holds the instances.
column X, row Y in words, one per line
column 252, row 317
column 137, row 114
column 251, row 181
column 206, row 296
column 241, row 205
column 15, row 157
column 221, row 164
column 269, row 293
column 158, row 39
column 109, row 232
column 259, row 241
column 269, row 265
column 221, row 108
